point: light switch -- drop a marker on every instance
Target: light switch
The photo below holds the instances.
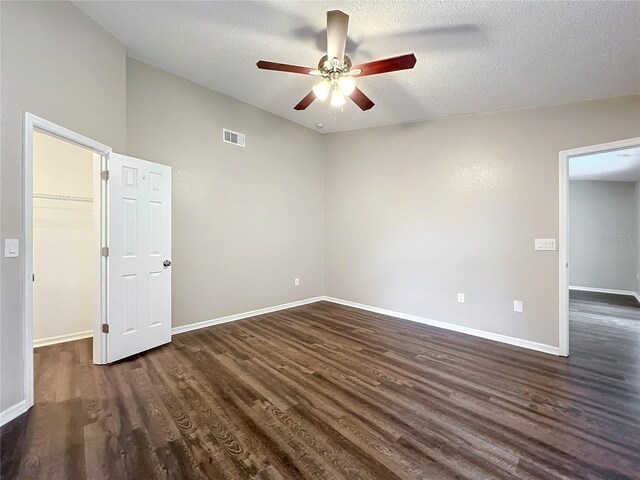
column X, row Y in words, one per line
column 461, row 298
column 11, row 247
column 517, row 306
column 545, row 244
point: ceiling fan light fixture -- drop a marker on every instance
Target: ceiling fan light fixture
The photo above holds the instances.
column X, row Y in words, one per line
column 336, row 71
column 321, row 90
column 347, row 84
column 337, row 98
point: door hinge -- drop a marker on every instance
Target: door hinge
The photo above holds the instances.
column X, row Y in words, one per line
column 105, row 251
column 104, row 175
column 105, row 328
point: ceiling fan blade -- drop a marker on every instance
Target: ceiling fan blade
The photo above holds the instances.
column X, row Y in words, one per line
column 361, row 99
column 337, row 25
column 403, row 62
column 283, row 67
column 306, row 101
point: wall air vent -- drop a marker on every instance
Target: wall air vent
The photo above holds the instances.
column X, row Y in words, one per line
column 233, row 137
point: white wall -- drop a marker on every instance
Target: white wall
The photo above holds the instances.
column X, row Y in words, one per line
column 603, row 229
column 58, row 64
column 417, row 213
column 246, row 221
column 65, row 259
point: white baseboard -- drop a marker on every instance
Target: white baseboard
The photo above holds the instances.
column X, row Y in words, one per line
column 629, row 293
column 62, row 338
column 240, row 316
column 12, row 412
column 540, row 347
column 21, row 407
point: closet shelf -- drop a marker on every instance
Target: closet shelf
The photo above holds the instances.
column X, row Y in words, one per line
column 64, row 198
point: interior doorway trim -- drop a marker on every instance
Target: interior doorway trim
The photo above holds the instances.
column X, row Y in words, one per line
column 34, row 123
column 563, row 238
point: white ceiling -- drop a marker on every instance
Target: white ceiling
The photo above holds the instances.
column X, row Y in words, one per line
column 472, row 56
column 616, row 165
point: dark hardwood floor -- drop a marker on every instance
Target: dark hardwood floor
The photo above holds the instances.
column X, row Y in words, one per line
column 325, row 391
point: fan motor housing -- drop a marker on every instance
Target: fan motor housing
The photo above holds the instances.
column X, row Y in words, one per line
column 327, row 67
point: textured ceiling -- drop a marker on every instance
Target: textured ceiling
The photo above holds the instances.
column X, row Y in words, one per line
column 472, row 56
column 616, row 166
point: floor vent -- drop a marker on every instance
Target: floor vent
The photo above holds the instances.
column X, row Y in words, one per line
column 233, row 137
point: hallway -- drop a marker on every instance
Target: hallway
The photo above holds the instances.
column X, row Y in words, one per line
column 605, row 339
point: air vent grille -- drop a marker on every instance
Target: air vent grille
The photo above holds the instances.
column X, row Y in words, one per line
column 233, row 137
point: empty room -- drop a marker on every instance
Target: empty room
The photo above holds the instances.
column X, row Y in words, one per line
column 320, row 240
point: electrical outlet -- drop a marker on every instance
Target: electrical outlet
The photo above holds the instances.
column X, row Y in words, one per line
column 296, row 282
column 461, row 298
column 517, row 306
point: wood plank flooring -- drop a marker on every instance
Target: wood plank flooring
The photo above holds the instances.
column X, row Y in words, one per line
column 325, row 391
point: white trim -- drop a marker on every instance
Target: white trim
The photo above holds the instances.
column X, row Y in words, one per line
column 540, row 347
column 13, row 411
column 563, row 220
column 518, row 342
column 563, row 260
column 30, row 124
column 240, row 316
column 629, row 293
column 100, row 219
column 69, row 337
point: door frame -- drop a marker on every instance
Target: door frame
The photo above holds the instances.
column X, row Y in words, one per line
column 563, row 239
column 34, row 123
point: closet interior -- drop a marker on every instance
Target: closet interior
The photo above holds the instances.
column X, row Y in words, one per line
column 65, row 240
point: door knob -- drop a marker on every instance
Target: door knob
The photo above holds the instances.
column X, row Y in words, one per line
column 167, row 263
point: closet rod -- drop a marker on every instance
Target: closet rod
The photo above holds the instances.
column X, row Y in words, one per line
column 66, row 198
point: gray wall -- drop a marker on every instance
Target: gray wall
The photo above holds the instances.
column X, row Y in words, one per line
column 413, row 213
column 58, row 64
column 246, row 221
column 416, row 213
column 603, row 229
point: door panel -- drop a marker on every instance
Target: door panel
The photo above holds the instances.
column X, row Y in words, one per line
column 139, row 231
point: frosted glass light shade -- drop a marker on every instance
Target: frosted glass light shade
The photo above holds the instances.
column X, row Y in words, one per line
column 337, row 98
column 321, row 90
column 347, row 85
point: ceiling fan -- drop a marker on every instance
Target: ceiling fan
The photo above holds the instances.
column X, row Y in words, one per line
column 336, row 71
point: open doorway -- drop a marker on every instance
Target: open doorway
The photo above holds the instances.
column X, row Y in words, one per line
column 97, row 243
column 66, row 241
column 53, row 214
column 600, row 244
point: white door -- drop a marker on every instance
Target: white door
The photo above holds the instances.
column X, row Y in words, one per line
column 139, row 260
